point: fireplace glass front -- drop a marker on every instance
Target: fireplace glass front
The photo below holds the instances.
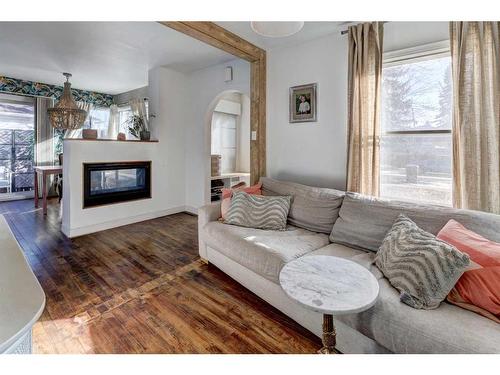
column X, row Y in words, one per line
column 106, row 183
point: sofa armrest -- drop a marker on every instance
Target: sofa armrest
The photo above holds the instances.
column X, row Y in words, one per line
column 206, row 214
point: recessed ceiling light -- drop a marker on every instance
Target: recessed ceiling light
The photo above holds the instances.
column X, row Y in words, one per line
column 276, row 29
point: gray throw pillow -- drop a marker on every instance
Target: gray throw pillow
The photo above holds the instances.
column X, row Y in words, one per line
column 312, row 208
column 423, row 268
column 258, row 211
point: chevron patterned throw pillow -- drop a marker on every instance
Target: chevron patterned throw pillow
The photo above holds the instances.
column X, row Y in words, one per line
column 258, row 211
column 423, row 268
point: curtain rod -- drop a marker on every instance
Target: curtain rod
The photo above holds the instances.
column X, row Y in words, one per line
column 343, row 32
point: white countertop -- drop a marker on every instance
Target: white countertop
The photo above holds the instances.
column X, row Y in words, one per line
column 22, row 299
column 329, row 285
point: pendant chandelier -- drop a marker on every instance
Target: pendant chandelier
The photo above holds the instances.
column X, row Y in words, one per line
column 66, row 114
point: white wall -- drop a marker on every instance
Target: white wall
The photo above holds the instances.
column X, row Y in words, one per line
column 310, row 152
column 205, row 89
column 169, row 101
column 315, row 153
column 167, row 156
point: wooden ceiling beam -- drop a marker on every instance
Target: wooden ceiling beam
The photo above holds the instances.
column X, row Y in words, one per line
column 216, row 36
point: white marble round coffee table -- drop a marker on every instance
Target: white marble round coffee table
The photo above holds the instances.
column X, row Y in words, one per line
column 331, row 286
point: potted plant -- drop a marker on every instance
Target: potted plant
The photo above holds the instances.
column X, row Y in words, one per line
column 137, row 127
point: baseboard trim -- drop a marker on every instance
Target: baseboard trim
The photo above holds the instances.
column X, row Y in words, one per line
column 191, row 210
column 80, row 231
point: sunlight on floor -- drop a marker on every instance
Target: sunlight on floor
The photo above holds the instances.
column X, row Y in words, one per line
column 66, row 336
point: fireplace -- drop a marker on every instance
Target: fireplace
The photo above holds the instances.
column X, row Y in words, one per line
column 107, row 183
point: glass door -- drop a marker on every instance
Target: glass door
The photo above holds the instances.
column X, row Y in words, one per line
column 17, row 146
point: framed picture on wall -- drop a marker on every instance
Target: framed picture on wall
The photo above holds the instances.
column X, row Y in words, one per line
column 303, row 103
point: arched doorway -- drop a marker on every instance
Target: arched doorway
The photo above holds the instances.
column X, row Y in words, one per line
column 227, row 130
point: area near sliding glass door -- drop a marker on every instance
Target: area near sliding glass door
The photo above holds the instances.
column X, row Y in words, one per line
column 17, row 146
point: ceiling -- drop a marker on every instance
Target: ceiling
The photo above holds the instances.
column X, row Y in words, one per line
column 115, row 57
column 311, row 30
column 108, row 57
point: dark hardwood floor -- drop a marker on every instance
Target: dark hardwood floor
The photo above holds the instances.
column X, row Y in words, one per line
column 141, row 288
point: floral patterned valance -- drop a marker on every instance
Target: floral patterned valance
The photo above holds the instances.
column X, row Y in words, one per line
column 19, row 86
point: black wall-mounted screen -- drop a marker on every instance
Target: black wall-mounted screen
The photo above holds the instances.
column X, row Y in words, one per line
column 107, row 183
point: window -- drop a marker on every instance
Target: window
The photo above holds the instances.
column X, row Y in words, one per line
column 416, row 144
column 224, row 140
column 124, row 114
column 17, row 143
column 98, row 118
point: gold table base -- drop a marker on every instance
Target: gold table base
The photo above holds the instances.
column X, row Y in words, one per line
column 329, row 336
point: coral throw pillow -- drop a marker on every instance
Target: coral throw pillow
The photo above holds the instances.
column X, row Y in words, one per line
column 228, row 193
column 478, row 289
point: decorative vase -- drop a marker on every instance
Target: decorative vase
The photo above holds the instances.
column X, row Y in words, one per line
column 145, row 135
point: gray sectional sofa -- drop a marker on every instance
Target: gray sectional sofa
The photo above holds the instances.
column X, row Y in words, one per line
column 351, row 226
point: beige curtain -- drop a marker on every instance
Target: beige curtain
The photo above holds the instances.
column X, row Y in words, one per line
column 114, row 122
column 365, row 73
column 138, row 107
column 476, row 115
column 44, row 150
column 44, row 132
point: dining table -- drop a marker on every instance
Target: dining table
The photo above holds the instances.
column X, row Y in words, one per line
column 44, row 171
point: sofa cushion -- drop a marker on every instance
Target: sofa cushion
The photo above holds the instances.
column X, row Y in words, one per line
column 312, row 208
column 362, row 257
column 367, row 260
column 364, row 221
column 337, row 250
column 263, row 251
column 402, row 329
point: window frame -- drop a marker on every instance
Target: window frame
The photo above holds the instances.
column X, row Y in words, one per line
column 410, row 55
column 417, row 53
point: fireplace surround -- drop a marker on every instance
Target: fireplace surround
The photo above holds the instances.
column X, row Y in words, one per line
column 115, row 182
